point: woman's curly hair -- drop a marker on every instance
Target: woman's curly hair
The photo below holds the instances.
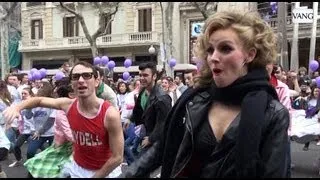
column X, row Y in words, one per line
column 252, row 31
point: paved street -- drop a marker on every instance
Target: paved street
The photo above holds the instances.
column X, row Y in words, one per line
column 305, row 162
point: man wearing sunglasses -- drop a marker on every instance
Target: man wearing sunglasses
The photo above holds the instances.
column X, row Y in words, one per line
column 95, row 125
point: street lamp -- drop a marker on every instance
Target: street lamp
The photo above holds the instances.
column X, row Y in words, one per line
column 152, row 52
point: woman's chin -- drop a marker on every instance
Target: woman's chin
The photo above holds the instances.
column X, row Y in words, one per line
column 221, row 83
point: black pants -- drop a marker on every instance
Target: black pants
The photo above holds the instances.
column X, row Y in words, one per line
column 289, row 159
column 3, row 153
column 16, row 148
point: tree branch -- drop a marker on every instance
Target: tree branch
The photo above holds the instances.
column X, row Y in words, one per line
column 102, row 30
column 105, row 30
column 116, row 9
column 205, row 5
column 98, row 7
column 82, row 22
column 9, row 11
column 204, row 14
column 69, row 10
column 215, row 5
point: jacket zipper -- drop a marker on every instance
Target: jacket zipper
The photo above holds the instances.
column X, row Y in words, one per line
column 190, row 131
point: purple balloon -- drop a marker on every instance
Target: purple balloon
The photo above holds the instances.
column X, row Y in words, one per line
column 111, row 64
column 30, row 78
column 172, row 62
column 314, row 65
column 97, row 60
column 318, row 81
column 125, row 75
column 43, row 72
column 104, row 60
column 59, row 75
column 33, row 70
column 127, row 63
column 36, row 75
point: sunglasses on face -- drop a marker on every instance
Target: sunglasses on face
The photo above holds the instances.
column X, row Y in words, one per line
column 85, row 76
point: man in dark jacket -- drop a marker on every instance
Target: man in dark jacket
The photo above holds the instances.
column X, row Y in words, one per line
column 152, row 106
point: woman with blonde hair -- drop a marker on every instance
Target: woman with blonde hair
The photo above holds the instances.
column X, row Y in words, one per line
column 232, row 123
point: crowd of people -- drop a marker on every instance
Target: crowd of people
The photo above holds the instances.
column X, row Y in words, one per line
column 46, row 127
column 229, row 118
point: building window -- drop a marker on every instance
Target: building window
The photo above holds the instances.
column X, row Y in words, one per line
column 145, row 20
column 308, row 4
column 195, row 29
column 36, row 29
column 106, row 20
column 144, row 58
column 70, row 27
column 48, row 64
column 118, row 60
column 29, row 4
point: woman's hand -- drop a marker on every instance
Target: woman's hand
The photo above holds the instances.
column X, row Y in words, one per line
column 10, row 113
column 36, row 135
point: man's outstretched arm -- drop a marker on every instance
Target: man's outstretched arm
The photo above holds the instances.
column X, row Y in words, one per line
column 13, row 111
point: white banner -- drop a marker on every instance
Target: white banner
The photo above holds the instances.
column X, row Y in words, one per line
column 302, row 15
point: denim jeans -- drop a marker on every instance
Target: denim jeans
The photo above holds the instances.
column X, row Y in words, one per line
column 12, row 134
column 130, row 137
column 128, row 155
column 16, row 148
column 35, row 144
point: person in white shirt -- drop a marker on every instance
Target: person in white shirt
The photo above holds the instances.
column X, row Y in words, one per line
column 12, row 84
column 170, row 87
column 37, row 86
column 24, row 82
column 126, row 113
column 4, row 149
column 26, row 128
column 5, row 144
column 122, row 89
column 178, row 80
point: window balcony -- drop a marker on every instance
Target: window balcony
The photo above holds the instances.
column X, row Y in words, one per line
column 112, row 40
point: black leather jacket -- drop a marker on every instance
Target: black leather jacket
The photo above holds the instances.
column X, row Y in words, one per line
column 174, row 151
column 153, row 117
